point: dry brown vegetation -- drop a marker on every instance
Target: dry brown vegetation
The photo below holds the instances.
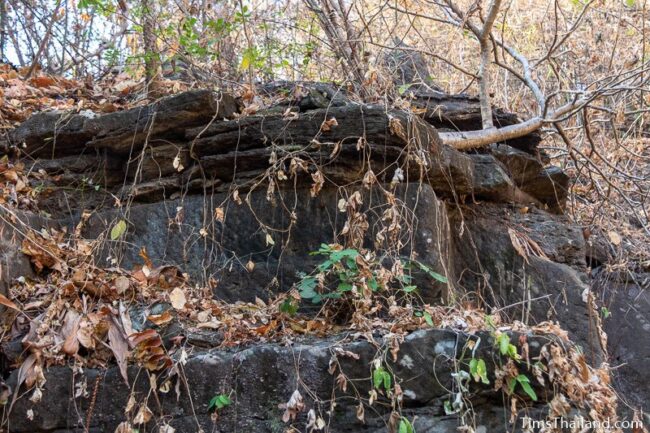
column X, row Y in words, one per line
column 576, row 70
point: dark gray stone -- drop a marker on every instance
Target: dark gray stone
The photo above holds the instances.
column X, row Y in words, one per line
column 51, row 134
column 263, row 376
column 550, row 186
column 628, row 334
column 535, row 289
column 226, row 249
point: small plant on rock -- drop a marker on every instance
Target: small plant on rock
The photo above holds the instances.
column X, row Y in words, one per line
column 219, row 402
column 347, row 274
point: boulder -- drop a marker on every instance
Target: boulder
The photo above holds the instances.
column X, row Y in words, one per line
column 238, row 200
column 537, row 276
column 53, row 133
column 297, row 224
column 626, row 318
column 259, row 378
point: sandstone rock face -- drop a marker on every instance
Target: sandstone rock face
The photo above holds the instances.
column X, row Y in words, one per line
column 204, row 187
column 297, row 222
column 263, row 376
column 627, row 323
column 547, row 284
column 13, row 263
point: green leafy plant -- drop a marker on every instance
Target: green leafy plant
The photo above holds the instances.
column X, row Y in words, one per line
column 426, row 315
column 405, row 426
column 339, row 262
column 118, row 230
column 478, row 370
column 506, row 348
column 382, row 378
column 430, row 272
column 289, row 307
column 605, row 312
column 524, row 383
column 345, row 270
column 219, row 402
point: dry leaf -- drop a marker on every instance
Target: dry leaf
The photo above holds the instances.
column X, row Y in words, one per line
column 177, row 298
column 161, row 319
column 219, row 214
column 7, row 303
column 120, row 347
column 614, row 238
column 122, row 284
column 124, row 427
column 71, row 343
column 328, row 124
column 176, row 163
column 360, row 413
column 166, row 428
column 294, row 406
column 143, row 416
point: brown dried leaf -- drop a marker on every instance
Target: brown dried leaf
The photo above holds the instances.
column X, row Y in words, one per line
column 120, row 347
column 7, row 303
column 161, row 319
column 177, row 298
column 327, row 125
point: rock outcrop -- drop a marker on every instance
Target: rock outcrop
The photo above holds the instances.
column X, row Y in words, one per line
column 265, row 376
column 238, row 199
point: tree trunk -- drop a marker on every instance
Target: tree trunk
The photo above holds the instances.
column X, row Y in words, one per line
column 3, row 27
column 151, row 54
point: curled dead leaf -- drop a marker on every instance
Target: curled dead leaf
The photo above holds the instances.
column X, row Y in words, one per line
column 327, row 125
column 7, row 303
column 161, row 319
column 177, row 298
column 143, row 416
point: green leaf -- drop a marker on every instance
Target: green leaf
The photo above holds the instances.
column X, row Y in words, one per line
column 372, row 283
column 344, row 287
column 512, row 352
column 245, row 62
column 630, row 3
column 307, row 283
column 449, row 410
column 325, row 265
column 433, row 274
column 289, row 307
column 378, row 377
column 605, row 312
column 478, row 370
column 525, row 385
column 402, row 90
column 522, row 378
column 118, row 230
column 481, row 370
column 504, row 341
column 349, row 253
column 308, row 294
column 307, row 287
column 437, row 276
column 489, row 321
column 387, row 381
column 405, row 426
column 324, row 249
column 409, row 289
column 427, row 318
column 406, row 279
column 473, row 365
column 219, row 402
